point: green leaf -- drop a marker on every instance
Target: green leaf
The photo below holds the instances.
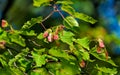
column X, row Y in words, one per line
column 102, row 57
column 32, row 22
column 28, row 33
column 23, row 62
column 64, row 2
column 17, row 39
column 18, row 56
column 81, row 16
column 16, row 71
column 68, row 9
column 39, row 3
column 4, row 36
column 39, row 71
column 107, row 70
column 40, row 36
column 39, row 51
column 6, row 71
column 51, row 57
column 84, row 42
column 86, row 55
column 85, row 17
column 39, row 59
column 58, row 53
column 3, row 61
column 70, row 22
column 67, row 37
column 53, row 67
column 69, row 68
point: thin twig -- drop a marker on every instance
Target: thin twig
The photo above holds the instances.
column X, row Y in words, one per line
column 47, row 16
column 43, row 26
column 15, row 62
column 60, row 14
column 46, row 19
column 10, row 52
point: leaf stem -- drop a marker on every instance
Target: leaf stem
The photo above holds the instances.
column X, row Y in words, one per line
column 46, row 19
column 48, row 16
column 43, row 26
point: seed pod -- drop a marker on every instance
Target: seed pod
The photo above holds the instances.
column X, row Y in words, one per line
column 82, row 64
column 2, row 44
column 106, row 54
column 99, row 50
column 61, row 27
column 50, row 37
column 101, row 43
column 4, row 23
column 55, row 36
column 45, row 34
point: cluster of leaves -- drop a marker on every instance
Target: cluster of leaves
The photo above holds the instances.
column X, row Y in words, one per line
column 56, row 51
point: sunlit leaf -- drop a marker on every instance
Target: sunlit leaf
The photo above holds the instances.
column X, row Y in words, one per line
column 81, row 16
column 84, row 42
column 18, row 56
column 64, row 2
column 39, row 59
column 40, row 36
column 69, row 68
column 70, row 22
column 68, row 9
column 52, row 57
column 4, row 36
column 17, row 39
column 107, row 70
column 53, row 67
column 85, row 17
column 102, row 57
column 67, row 37
column 39, row 3
column 2, row 61
column 58, row 53
column 86, row 55
column 39, row 71
column 16, row 71
column 32, row 22
column 28, row 33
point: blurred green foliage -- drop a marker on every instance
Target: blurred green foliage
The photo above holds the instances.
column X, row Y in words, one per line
column 33, row 54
